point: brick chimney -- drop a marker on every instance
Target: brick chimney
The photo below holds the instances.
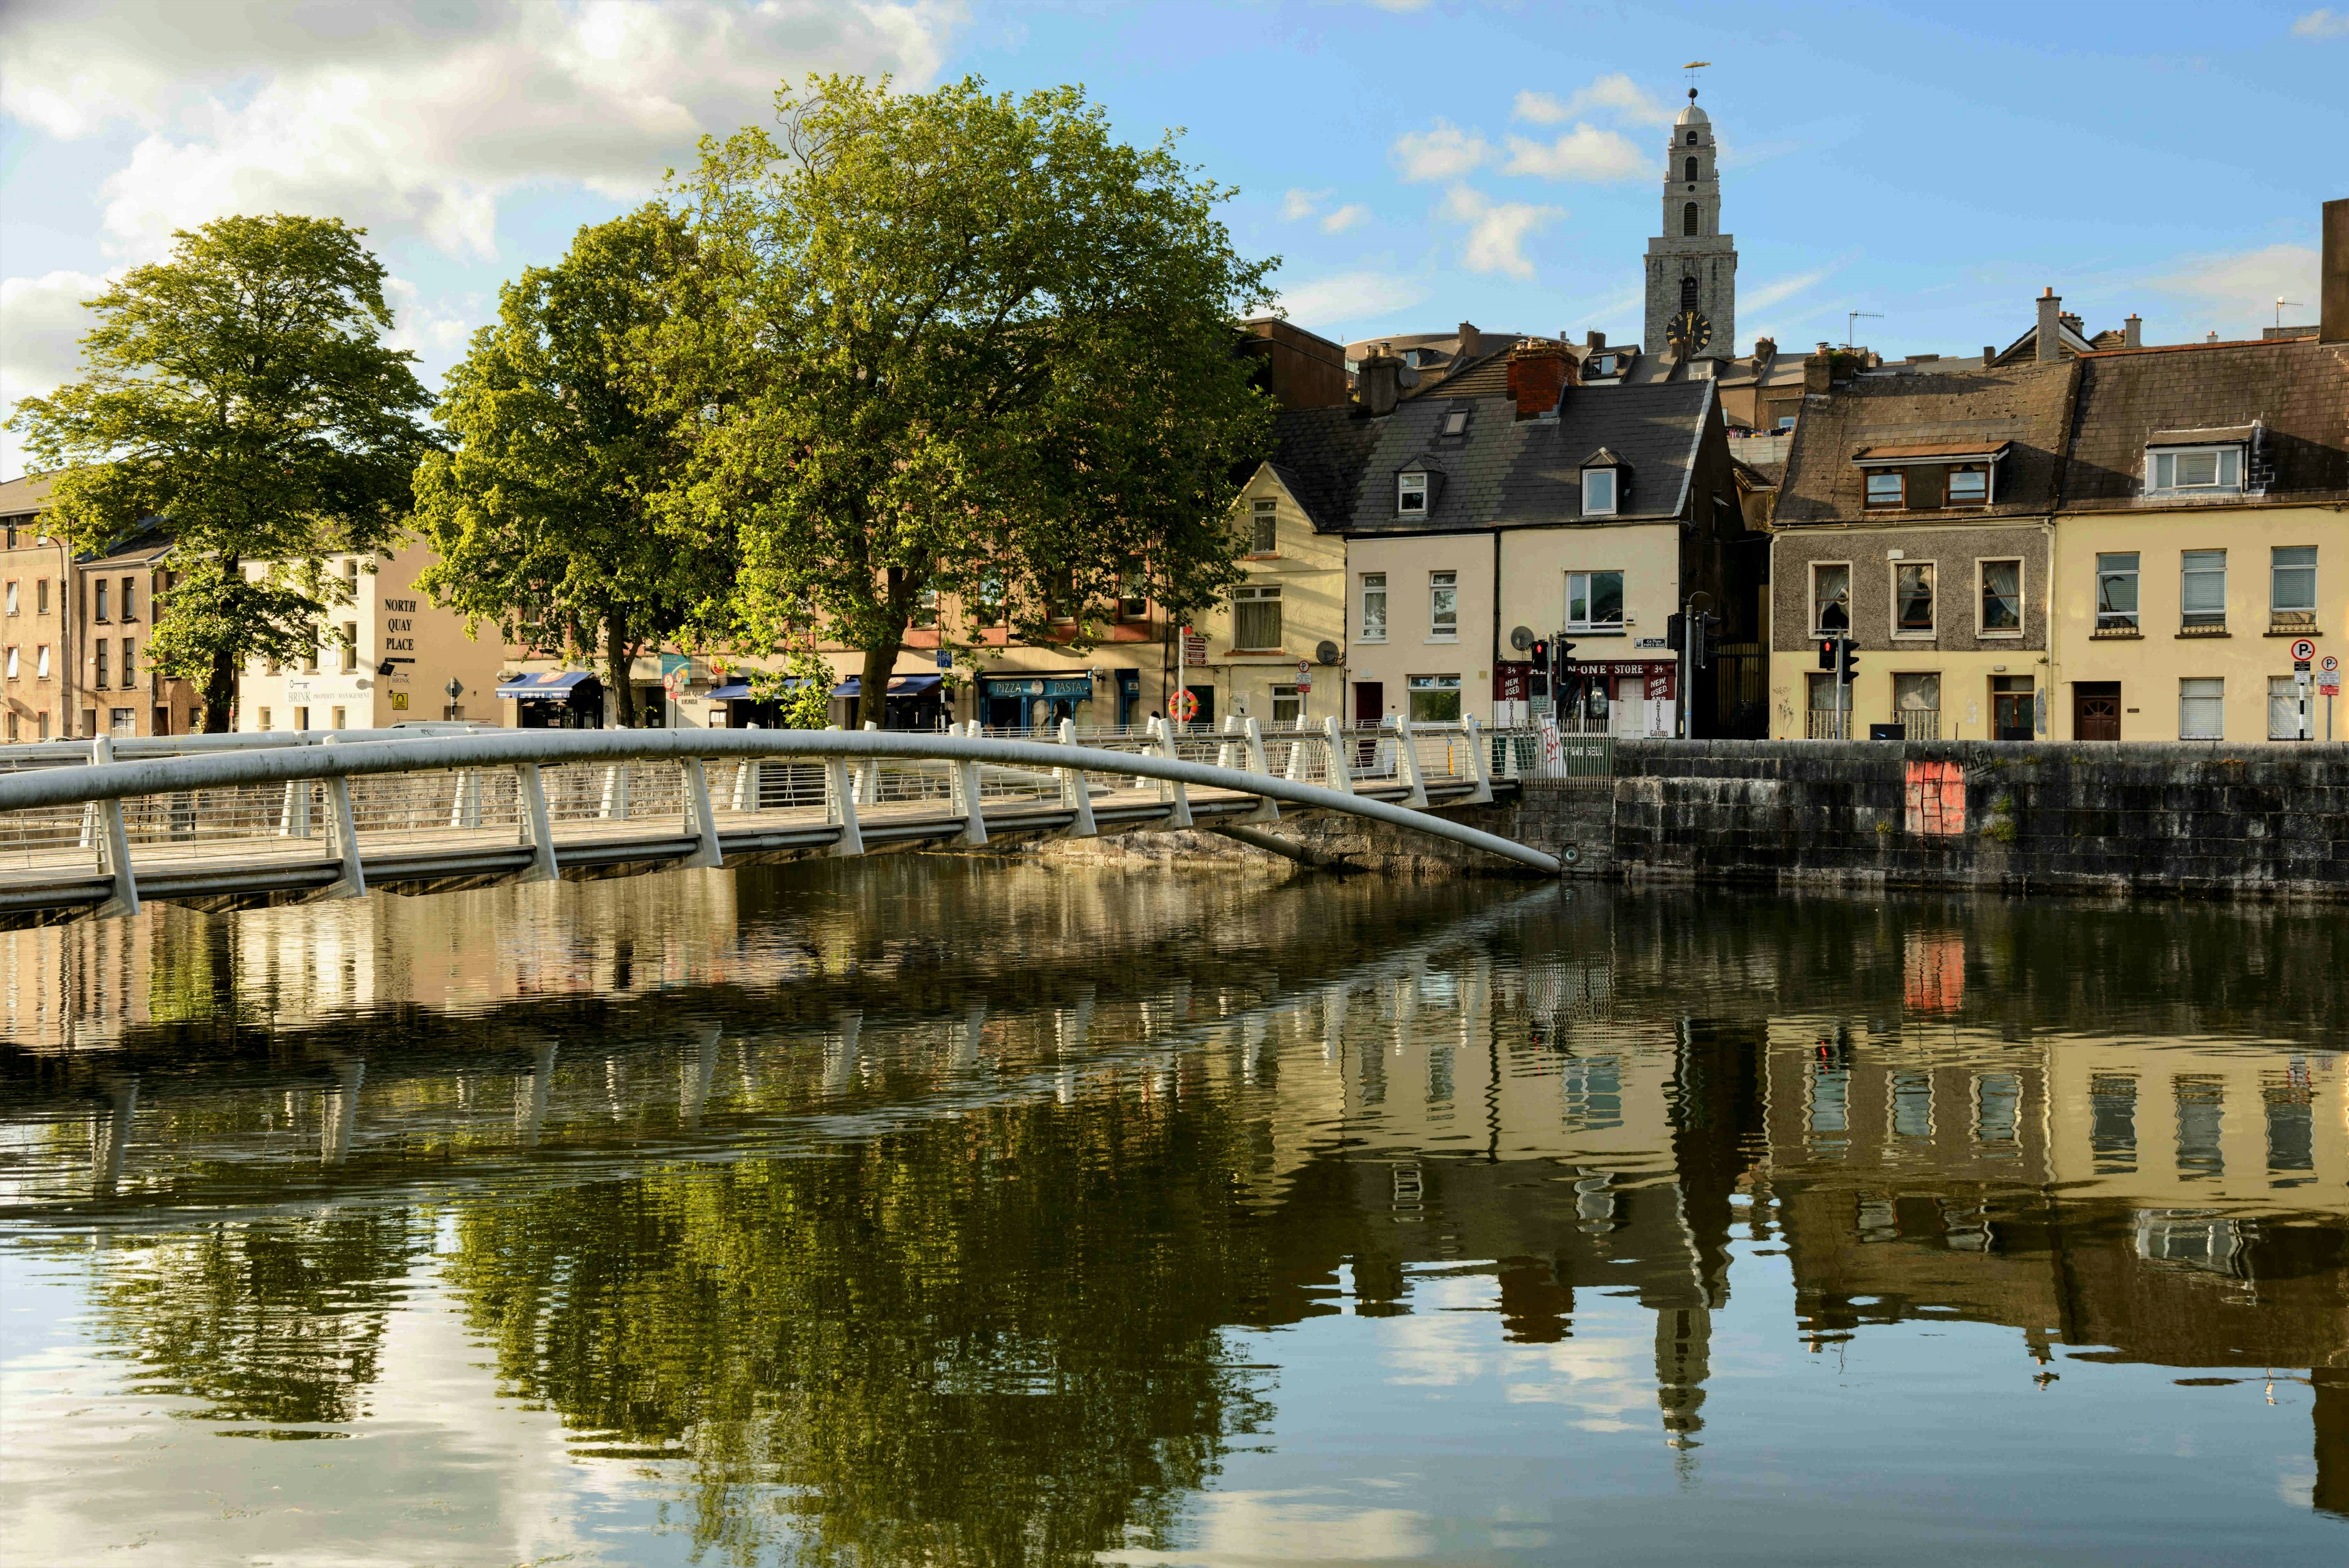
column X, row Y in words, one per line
column 1819, row 369
column 2050, row 335
column 1765, row 349
column 2332, row 275
column 2132, row 331
column 1378, row 380
column 1539, row 371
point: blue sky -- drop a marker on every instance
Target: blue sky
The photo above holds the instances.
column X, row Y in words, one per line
column 1413, row 164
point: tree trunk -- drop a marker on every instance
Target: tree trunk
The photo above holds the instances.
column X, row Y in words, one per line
column 220, row 692
column 873, row 685
column 620, row 658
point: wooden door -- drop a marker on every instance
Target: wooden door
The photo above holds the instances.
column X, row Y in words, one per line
column 1370, row 702
column 2095, row 709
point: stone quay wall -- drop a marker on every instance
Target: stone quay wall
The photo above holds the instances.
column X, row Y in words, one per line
column 2165, row 819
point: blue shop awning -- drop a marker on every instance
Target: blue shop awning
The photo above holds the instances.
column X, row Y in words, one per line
column 733, row 691
column 899, row 685
column 548, row 685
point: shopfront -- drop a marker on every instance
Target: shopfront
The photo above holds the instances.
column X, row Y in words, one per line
column 1629, row 698
column 1030, row 703
column 555, row 700
column 913, row 703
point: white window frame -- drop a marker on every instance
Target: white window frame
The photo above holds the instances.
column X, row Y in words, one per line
column 12, row 662
column 1411, row 488
column 1586, row 623
column 2276, row 607
column 1443, row 584
column 1934, row 580
column 1818, row 630
column 11, row 596
column 1593, row 507
column 1264, row 528
column 1256, row 592
column 1373, row 583
column 1982, row 597
column 2136, row 575
column 1289, row 694
column 2226, row 470
column 2184, row 733
column 1435, row 685
column 2283, row 707
column 41, row 663
column 2184, row 571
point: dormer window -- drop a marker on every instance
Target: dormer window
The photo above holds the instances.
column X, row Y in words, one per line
column 1411, row 494
column 1604, row 480
column 2211, row 468
column 1888, row 488
column 1968, row 486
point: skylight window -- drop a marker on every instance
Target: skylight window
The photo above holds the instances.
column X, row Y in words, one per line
column 1456, row 423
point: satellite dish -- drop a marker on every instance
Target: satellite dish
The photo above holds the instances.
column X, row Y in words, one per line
column 1326, row 653
column 1522, row 638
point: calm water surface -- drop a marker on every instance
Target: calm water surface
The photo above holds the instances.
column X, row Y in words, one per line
column 923, row 1212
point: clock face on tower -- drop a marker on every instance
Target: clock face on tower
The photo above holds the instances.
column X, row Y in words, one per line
column 1691, row 327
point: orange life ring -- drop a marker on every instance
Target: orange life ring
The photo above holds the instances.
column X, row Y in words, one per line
column 1183, row 706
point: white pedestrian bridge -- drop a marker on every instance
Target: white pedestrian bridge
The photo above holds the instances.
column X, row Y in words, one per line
column 218, row 821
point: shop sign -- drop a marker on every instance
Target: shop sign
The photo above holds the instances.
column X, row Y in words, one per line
column 1512, row 682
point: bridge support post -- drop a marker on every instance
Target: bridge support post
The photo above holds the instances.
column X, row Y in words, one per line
column 342, row 827
column 1076, row 790
column 614, row 805
column 537, row 824
column 113, row 841
column 868, row 776
column 1342, row 775
column 699, row 815
column 1173, row 790
column 1407, row 764
column 465, row 811
column 294, row 817
column 840, row 806
column 1252, row 735
column 966, row 786
column 1480, row 761
column 746, row 782
column 1223, row 758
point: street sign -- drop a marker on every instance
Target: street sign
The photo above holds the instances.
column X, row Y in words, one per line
column 2331, row 665
column 2303, row 651
column 1304, row 669
column 673, row 682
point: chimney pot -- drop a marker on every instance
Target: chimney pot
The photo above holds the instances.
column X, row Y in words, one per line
column 2050, row 336
column 1595, row 340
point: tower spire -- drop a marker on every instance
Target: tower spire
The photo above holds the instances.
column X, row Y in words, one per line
column 1692, row 265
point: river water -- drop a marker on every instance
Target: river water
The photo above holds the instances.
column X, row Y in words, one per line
column 922, row 1210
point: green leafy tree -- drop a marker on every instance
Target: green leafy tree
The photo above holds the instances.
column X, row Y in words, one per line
column 956, row 343
column 241, row 392
column 540, row 514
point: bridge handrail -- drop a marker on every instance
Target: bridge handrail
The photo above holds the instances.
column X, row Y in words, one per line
column 128, row 778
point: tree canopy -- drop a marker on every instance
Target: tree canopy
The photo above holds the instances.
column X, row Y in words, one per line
column 540, row 516
column 241, row 392
column 957, row 343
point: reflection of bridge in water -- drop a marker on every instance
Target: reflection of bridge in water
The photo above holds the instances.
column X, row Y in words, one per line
column 1534, row 1094
column 261, row 817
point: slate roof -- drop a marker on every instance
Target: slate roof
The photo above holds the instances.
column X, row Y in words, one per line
column 1486, row 376
column 2296, row 390
column 2028, row 406
column 1502, row 471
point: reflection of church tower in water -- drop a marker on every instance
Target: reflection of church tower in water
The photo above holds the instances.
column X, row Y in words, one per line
column 1692, row 265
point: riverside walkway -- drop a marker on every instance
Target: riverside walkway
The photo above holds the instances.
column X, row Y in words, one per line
column 217, row 822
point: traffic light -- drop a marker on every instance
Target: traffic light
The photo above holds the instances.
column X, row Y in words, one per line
column 1826, row 653
column 1708, row 638
column 1541, row 679
column 1850, row 661
column 1676, row 634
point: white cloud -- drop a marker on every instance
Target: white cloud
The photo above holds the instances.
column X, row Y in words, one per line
column 1777, row 291
column 1330, row 305
column 1443, row 151
column 1583, row 153
column 2322, row 24
column 1617, row 94
column 2237, row 294
column 1497, row 231
column 1301, row 204
column 41, row 325
column 1345, row 218
column 418, row 117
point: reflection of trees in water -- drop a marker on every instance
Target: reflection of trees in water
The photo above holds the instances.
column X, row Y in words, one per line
column 279, row 1321
column 986, row 1340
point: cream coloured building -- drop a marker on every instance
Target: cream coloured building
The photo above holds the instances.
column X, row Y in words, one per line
column 388, row 658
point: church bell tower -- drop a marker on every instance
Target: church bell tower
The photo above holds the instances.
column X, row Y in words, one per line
column 1692, row 265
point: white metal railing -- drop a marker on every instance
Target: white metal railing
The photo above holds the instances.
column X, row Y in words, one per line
column 532, row 797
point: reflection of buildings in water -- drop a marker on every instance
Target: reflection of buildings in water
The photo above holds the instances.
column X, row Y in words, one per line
column 2180, row 1203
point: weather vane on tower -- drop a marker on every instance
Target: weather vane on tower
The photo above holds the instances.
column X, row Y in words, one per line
column 1692, row 68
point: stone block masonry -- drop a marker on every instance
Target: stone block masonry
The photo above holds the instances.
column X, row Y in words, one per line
column 2193, row 820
